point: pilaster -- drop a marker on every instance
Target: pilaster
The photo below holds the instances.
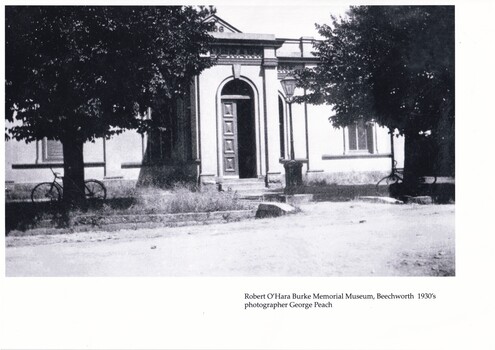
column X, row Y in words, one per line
column 272, row 132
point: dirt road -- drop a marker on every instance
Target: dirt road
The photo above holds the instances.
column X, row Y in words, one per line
column 326, row 239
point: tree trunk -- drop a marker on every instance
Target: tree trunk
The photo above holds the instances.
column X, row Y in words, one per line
column 410, row 182
column 73, row 171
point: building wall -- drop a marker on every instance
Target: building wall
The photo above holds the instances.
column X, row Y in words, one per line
column 315, row 139
column 124, row 155
column 211, row 82
column 122, row 151
column 274, row 169
column 328, row 153
column 24, row 163
column 323, row 148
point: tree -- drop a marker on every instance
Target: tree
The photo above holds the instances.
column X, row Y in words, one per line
column 77, row 73
column 393, row 65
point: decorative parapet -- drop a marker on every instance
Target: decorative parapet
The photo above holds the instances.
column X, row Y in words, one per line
column 237, row 52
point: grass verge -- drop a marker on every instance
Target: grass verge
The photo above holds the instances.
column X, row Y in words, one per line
column 179, row 199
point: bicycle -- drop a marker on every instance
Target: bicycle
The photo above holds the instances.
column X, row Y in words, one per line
column 423, row 185
column 53, row 191
column 396, row 176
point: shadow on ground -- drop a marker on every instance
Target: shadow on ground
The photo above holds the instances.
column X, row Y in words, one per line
column 441, row 193
column 23, row 216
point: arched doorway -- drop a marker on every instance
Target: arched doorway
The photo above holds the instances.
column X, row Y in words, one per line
column 238, row 130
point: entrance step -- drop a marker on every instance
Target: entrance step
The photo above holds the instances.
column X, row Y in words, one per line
column 242, row 185
column 253, row 189
column 243, row 181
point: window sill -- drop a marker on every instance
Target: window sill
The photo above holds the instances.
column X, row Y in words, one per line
column 53, row 161
column 133, row 165
column 54, row 165
column 357, row 155
column 360, row 151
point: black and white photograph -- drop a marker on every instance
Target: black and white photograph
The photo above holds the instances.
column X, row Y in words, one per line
column 166, row 141
column 297, row 158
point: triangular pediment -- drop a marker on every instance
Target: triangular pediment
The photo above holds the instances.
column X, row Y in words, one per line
column 222, row 26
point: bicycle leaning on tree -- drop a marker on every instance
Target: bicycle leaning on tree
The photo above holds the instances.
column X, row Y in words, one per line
column 396, row 176
column 53, row 191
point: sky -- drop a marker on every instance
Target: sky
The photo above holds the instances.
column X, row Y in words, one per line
column 288, row 21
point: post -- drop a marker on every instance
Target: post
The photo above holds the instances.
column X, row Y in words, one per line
column 293, row 168
column 292, row 156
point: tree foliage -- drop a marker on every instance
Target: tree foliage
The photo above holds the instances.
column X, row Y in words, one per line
column 77, row 73
column 390, row 64
column 85, row 72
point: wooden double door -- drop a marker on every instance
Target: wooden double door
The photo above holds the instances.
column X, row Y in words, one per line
column 238, row 138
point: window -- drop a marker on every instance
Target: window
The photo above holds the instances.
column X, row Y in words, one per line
column 52, row 150
column 360, row 137
column 170, row 138
column 160, row 140
column 159, row 146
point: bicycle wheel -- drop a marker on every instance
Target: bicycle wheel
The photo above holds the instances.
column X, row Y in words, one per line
column 388, row 180
column 94, row 189
column 393, row 179
column 45, row 192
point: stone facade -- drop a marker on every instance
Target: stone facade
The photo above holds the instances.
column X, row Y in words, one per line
column 234, row 124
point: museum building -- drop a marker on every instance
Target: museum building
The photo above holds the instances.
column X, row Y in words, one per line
column 234, row 124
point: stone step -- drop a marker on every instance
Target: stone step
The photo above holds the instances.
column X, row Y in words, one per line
column 255, row 190
column 270, row 196
column 246, row 187
column 252, row 196
column 243, row 181
column 250, row 189
column 236, row 186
